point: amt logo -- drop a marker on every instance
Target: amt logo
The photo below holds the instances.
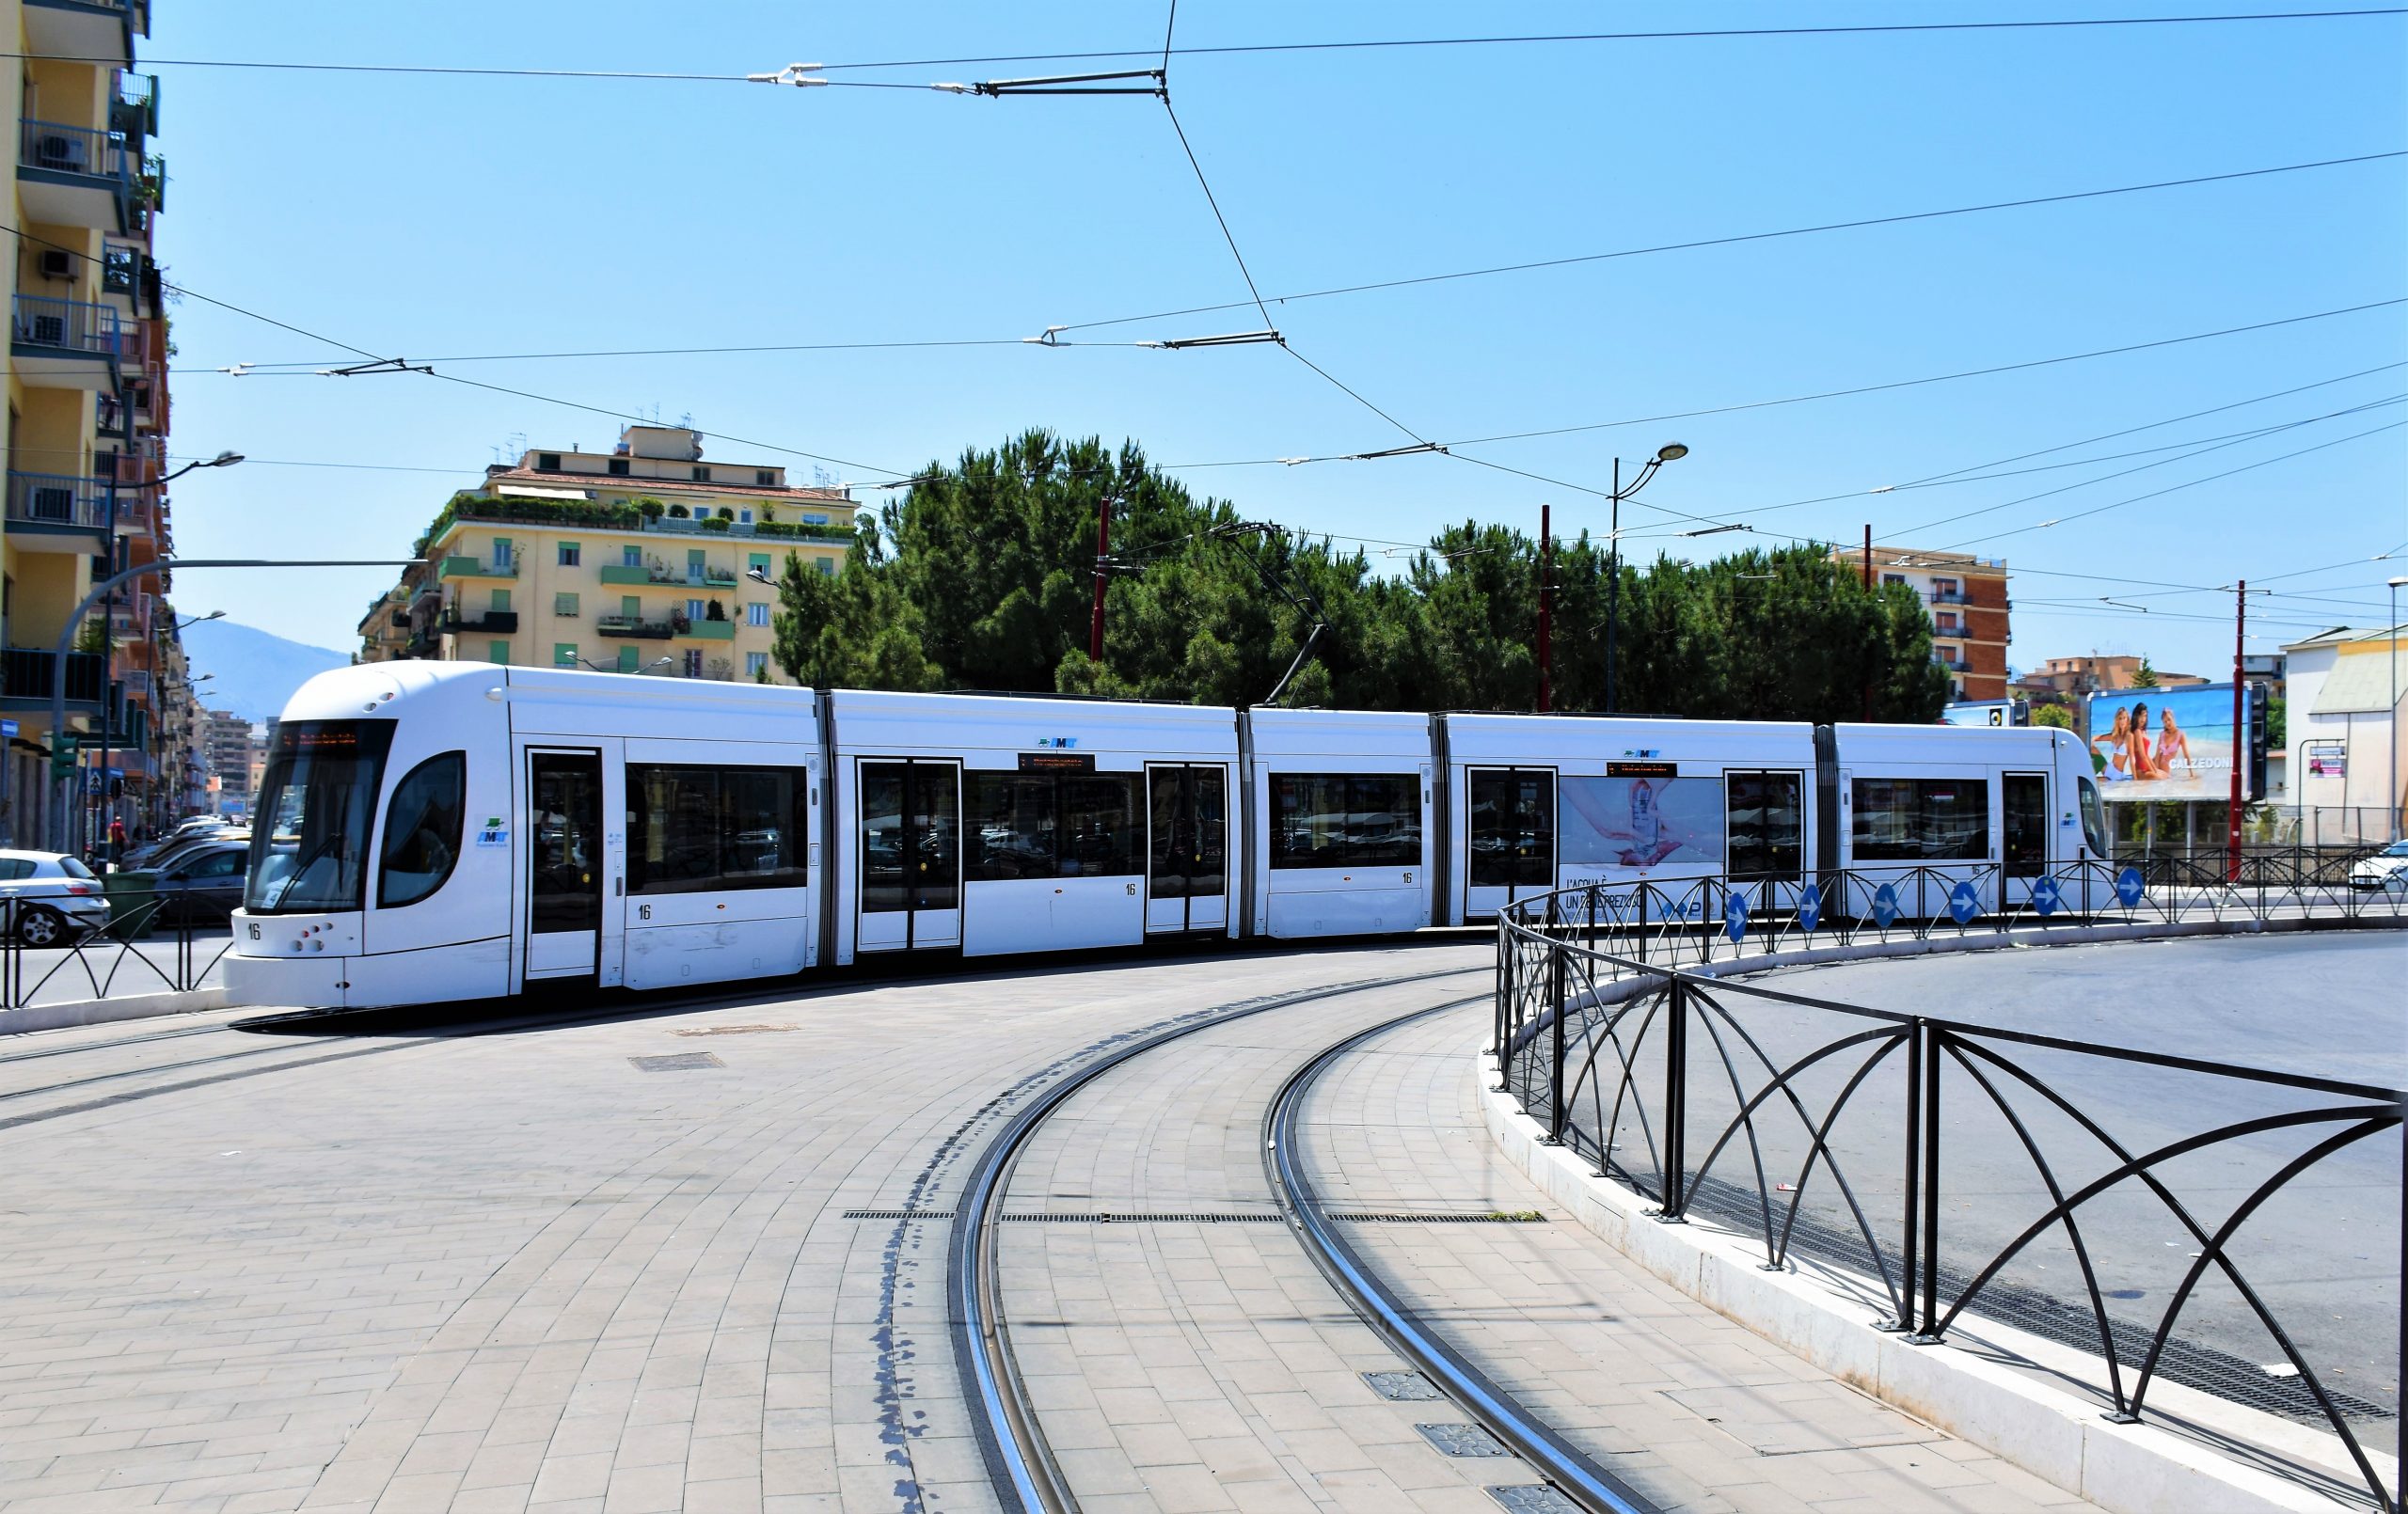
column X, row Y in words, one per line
column 1057, row 743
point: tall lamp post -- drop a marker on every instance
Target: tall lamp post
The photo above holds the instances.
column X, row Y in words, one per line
column 58, row 833
column 1669, row 452
column 2391, row 799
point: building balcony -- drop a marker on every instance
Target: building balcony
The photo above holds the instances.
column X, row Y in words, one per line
column 1954, row 665
column 477, row 568
column 25, row 675
column 57, row 504
column 66, row 344
column 130, row 618
column 636, row 625
column 492, row 623
column 133, row 110
column 667, row 577
column 709, row 630
column 100, row 30
column 74, row 175
column 1952, row 596
column 137, row 682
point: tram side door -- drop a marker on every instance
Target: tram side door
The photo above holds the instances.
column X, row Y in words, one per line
column 1187, row 849
column 910, row 854
column 573, row 863
column 2023, row 836
column 1508, row 827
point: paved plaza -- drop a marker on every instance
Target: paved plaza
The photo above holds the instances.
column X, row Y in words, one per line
column 613, row 1262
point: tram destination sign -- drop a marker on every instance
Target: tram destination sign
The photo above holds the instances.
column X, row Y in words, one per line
column 1057, row 761
column 1642, row 769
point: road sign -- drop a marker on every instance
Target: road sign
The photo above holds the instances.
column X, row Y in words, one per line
column 2129, row 887
column 1810, row 907
column 2045, row 898
column 1735, row 918
column 1964, row 903
column 8, row 728
column 1885, row 905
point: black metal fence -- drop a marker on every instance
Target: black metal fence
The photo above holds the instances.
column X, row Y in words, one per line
column 56, row 947
column 1936, row 1169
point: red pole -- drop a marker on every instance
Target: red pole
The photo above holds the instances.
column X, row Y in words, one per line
column 1103, row 559
column 2239, row 735
column 1546, row 644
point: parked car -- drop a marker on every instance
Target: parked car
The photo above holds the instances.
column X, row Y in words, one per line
column 202, row 884
column 2386, row 868
column 47, row 899
column 167, row 857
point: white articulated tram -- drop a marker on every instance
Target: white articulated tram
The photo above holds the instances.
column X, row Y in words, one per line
column 440, row 832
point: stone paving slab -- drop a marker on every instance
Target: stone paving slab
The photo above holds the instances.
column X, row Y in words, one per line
column 1690, row 1408
column 515, row 1272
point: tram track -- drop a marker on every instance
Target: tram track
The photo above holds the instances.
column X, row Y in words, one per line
column 1007, row 1422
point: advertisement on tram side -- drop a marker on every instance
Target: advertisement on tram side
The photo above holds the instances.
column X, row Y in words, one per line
column 1641, row 823
column 2162, row 742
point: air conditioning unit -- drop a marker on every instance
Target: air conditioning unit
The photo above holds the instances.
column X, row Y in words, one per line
column 54, row 504
column 58, row 264
column 47, row 331
column 58, row 152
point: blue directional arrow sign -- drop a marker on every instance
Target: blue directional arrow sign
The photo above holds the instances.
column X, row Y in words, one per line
column 1735, row 918
column 1885, row 905
column 1810, row 907
column 2045, row 898
column 1964, row 903
column 2129, row 887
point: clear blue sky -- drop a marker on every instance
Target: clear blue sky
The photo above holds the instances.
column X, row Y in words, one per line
column 440, row 217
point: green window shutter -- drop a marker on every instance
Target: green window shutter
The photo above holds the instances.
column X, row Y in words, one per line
column 565, row 604
column 497, row 651
column 564, row 653
column 630, row 607
column 501, row 599
column 757, row 562
column 570, row 555
column 627, row 659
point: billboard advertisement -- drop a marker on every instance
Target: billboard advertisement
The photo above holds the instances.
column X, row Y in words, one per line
column 1640, row 823
column 2162, row 742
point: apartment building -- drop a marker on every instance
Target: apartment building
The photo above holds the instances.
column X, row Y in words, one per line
column 2066, row 678
column 644, row 558
column 229, row 749
column 1966, row 598
column 87, row 429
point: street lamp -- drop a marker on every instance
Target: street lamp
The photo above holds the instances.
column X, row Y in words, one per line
column 1669, row 452
column 212, row 615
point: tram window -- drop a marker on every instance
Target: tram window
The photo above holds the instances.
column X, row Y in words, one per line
column 1012, row 826
column 706, row 829
column 317, row 801
column 1345, row 820
column 882, row 889
column 1513, row 828
column 1921, row 819
column 422, row 830
column 1766, row 825
column 1052, row 826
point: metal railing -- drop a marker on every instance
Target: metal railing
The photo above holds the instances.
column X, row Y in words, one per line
column 1803, row 1124
column 57, row 948
column 59, row 499
column 68, row 325
column 637, row 626
column 57, row 147
column 25, row 673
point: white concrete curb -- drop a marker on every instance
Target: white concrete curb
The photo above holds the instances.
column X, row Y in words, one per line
column 101, row 1011
column 2052, row 1433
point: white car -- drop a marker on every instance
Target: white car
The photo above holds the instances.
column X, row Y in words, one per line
column 2386, row 868
column 47, row 899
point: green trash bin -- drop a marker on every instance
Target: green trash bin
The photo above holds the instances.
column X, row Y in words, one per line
column 133, row 909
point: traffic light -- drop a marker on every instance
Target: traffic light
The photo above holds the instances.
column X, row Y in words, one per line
column 62, row 755
column 2257, row 741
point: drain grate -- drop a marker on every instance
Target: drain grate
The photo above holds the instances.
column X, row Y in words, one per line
column 678, row 1062
column 733, row 1030
column 1493, row 1217
column 898, row 1214
column 1403, row 1387
column 1533, row 1498
column 1463, row 1440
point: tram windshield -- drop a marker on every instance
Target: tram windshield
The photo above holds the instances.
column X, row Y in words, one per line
column 310, row 840
column 2094, row 818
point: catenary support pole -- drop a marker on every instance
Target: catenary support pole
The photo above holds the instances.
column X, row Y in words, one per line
column 1613, row 585
column 2239, row 735
column 1102, row 567
column 1547, row 593
column 1868, row 589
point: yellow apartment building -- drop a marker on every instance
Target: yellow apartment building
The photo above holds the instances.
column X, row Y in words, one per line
column 87, row 429
column 644, row 558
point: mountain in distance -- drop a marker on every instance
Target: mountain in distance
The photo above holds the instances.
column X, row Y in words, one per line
column 256, row 672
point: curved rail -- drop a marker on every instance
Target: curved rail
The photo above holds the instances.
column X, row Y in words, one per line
column 1573, row 1473
column 1009, row 1437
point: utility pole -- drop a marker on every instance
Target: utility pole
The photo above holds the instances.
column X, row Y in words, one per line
column 1547, row 592
column 2239, row 735
column 1102, row 569
column 1669, row 452
column 1868, row 589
